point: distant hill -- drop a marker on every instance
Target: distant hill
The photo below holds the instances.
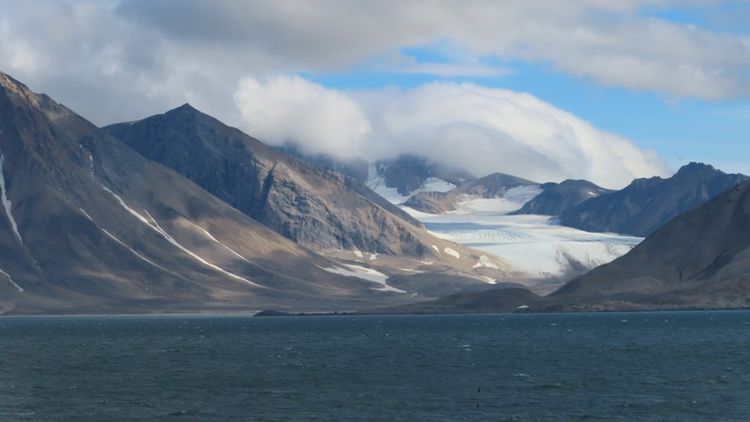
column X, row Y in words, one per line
column 647, row 204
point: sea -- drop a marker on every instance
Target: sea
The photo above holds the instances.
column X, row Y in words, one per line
column 665, row 366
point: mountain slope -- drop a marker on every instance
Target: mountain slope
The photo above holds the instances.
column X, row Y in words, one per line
column 317, row 208
column 494, row 185
column 558, row 197
column 88, row 225
column 699, row 259
column 646, row 204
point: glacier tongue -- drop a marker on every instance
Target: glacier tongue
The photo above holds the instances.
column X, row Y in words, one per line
column 6, row 202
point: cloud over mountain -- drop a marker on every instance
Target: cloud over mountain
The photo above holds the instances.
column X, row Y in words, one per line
column 463, row 124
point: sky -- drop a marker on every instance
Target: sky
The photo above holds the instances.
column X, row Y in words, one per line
column 606, row 90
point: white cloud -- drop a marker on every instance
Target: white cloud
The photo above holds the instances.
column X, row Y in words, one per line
column 481, row 129
column 291, row 109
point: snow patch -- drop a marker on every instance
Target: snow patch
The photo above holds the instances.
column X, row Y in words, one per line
column 373, row 256
column 485, row 262
column 154, row 225
column 10, row 280
column 358, row 253
column 6, row 202
column 364, row 273
column 452, row 252
column 210, row 236
column 85, row 214
column 435, row 247
column 377, row 184
column 488, row 280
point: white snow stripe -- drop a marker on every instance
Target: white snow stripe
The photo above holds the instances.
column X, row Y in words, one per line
column 154, row 225
column 143, row 258
column 85, row 214
column 232, row 251
column 10, row 279
column 6, row 202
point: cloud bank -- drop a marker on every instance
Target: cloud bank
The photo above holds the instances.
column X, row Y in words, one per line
column 480, row 129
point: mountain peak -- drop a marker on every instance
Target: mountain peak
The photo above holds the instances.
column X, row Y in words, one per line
column 16, row 89
column 695, row 167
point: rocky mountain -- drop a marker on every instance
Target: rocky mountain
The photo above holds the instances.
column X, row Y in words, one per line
column 90, row 226
column 494, row 185
column 700, row 259
column 408, row 174
column 647, row 204
column 318, row 208
column 558, row 197
column 321, row 209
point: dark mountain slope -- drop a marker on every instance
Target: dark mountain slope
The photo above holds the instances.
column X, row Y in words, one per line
column 647, row 204
column 558, row 197
column 408, row 173
column 699, row 259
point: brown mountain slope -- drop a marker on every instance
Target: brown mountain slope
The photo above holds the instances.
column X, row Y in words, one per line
column 699, row 259
column 88, row 225
column 333, row 214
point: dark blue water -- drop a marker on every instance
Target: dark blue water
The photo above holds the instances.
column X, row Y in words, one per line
column 644, row 366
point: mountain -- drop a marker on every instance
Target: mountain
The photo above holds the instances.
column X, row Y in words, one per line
column 700, row 259
column 318, row 208
column 647, row 204
column 90, row 226
column 408, row 174
column 558, row 197
column 494, row 185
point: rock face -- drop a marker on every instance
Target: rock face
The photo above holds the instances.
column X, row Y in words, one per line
column 700, row 259
column 408, row 174
column 317, row 208
column 494, row 185
column 558, row 197
column 647, row 204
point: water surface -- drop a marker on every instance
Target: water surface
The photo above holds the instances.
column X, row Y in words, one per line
column 617, row 366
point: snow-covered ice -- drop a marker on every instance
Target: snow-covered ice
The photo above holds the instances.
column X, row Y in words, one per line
column 364, row 273
column 535, row 245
